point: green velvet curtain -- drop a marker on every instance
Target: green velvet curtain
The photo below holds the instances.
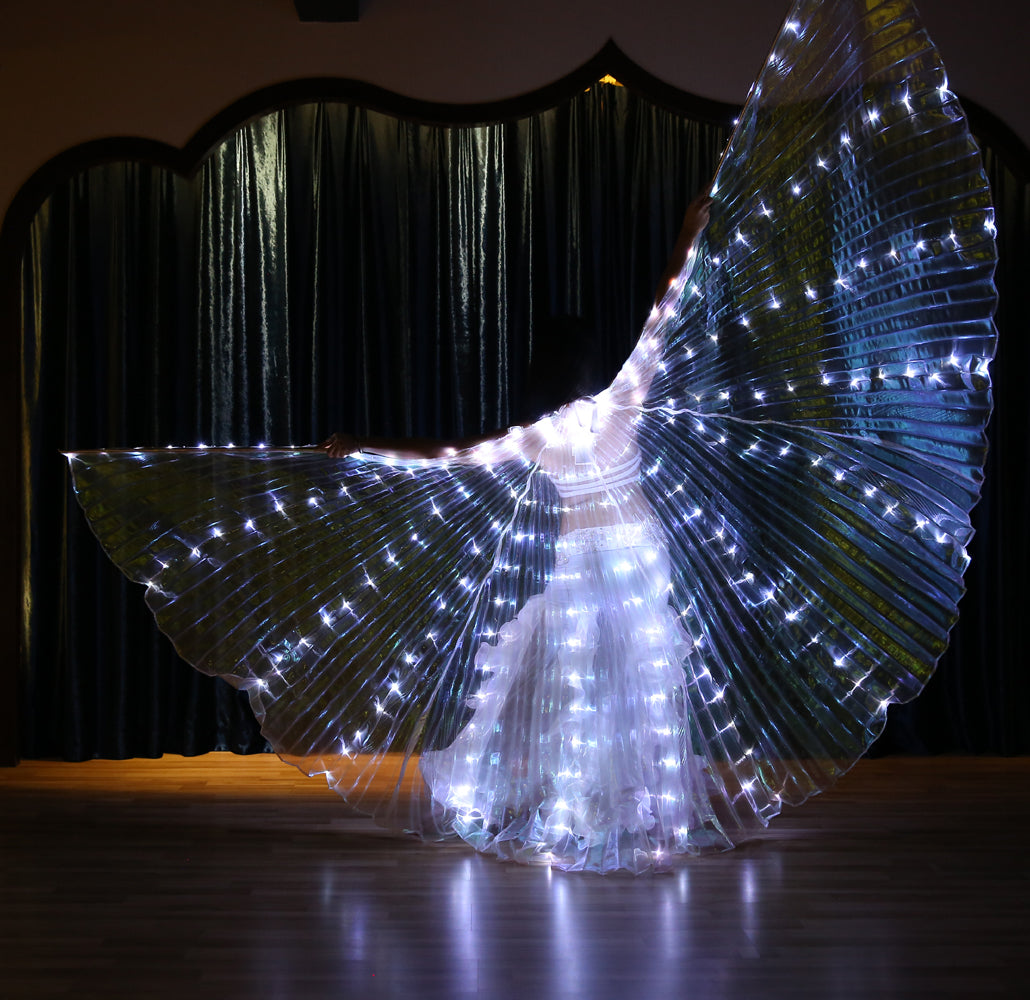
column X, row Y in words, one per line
column 329, row 268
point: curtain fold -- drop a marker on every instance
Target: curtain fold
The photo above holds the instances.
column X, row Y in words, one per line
column 334, row 268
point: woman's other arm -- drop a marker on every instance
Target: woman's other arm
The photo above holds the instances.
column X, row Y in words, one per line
column 694, row 221
column 516, row 443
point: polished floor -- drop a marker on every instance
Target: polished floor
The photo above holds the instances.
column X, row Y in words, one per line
column 234, row 877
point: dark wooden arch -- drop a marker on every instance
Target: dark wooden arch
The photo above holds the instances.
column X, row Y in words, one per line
column 185, row 161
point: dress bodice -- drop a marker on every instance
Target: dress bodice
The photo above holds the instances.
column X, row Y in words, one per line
column 594, row 463
column 594, row 479
column 595, row 450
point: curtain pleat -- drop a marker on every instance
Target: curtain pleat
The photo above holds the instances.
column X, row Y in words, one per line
column 334, row 268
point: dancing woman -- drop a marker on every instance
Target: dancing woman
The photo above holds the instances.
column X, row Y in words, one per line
column 578, row 751
column 639, row 626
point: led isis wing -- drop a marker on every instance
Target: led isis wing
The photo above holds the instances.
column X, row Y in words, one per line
column 346, row 597
column 814, row 436
column 640, row 626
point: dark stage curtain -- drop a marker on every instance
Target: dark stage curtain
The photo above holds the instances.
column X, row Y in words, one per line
column 979, row 699
column 331, row 267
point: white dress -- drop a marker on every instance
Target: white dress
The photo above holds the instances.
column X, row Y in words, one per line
column 580, row 752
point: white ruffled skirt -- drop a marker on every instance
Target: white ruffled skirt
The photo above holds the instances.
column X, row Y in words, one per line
column 581, row 753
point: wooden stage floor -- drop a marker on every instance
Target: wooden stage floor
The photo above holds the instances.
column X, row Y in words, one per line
column 226, row 877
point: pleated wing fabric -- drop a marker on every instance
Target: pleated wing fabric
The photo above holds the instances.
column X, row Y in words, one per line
column 817, row 435
column 809, row 438
column 344, row 596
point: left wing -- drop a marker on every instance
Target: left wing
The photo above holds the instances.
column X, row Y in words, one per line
column 344, row 596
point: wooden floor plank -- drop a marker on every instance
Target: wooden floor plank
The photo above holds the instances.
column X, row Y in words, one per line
column 223, row 876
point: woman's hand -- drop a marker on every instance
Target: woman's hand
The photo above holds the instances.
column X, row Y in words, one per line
column 699, row 211
column 694, row 221
column 339, row 445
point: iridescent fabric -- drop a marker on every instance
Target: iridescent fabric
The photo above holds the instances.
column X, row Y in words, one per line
column 640, row 626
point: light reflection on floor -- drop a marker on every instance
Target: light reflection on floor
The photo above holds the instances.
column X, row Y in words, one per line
column 139, row 879
column 471, row 924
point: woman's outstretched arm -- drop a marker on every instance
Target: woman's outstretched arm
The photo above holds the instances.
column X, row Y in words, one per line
column 517, row 443
column 339, row 445
column 633, row 382
column 694, row 221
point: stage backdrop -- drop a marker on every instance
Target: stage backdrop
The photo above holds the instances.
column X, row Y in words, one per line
column 330, row 267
